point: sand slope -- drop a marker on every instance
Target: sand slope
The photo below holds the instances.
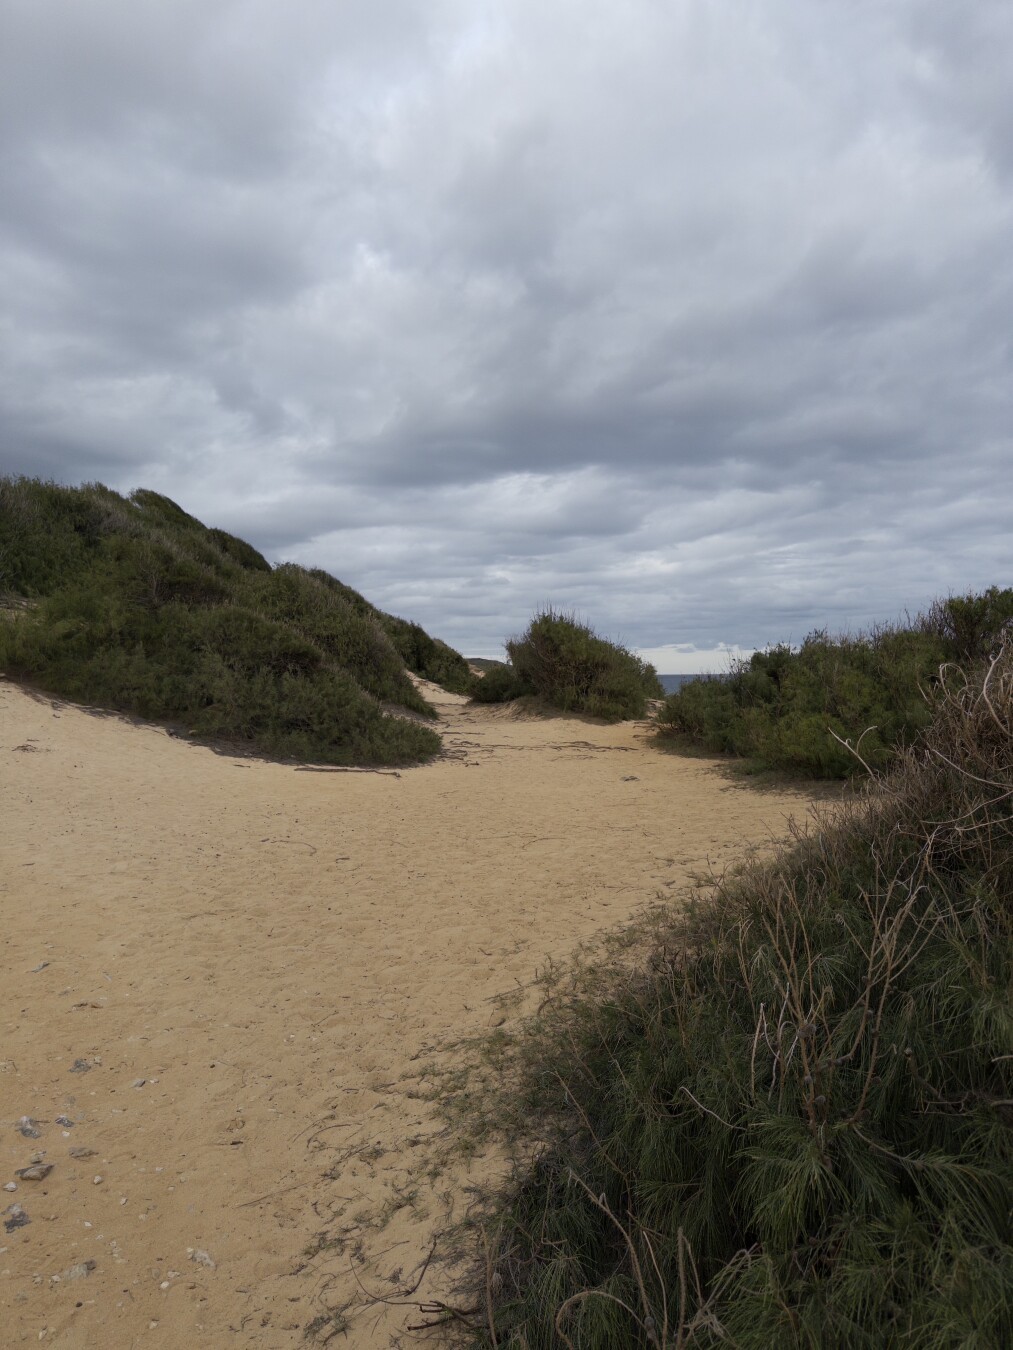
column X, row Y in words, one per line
column 221, row 972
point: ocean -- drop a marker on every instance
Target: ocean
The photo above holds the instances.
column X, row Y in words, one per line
column 673, row 683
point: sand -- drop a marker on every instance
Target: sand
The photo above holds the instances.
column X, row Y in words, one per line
column 223, row 974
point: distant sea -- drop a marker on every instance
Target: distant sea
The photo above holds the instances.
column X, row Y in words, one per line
column 673, row 683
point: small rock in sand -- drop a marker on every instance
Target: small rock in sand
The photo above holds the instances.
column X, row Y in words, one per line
column 16, row 1217
column 80, row 1066
column 78, row 1272
column 37, row 1172
column 201, row 1257
column 28, row 1127
column 65, row 1121
column 82, row 1152
column 11, row 1186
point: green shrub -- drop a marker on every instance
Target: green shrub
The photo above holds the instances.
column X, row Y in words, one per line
column 139, row 607
column 244, row 554
column 499, row 684
column 971, row 626
column 570, row 666
column 353, row 637
column 427, row 657
column 798, row 709
column 790, row 1124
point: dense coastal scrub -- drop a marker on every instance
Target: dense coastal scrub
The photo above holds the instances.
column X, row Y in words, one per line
column 796, row 709
column 133, row 605
column 790, row 1122
column 571, row 667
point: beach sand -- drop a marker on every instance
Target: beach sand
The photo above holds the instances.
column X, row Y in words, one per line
column 220, row 976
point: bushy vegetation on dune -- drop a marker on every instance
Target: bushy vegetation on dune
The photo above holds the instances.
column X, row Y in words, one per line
column 796, row 709
column 792, row 1124
column 571, row 667
column 429, row 657
column 137, row 606
column 499, row 684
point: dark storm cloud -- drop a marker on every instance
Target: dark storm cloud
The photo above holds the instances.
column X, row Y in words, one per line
column 693, row 318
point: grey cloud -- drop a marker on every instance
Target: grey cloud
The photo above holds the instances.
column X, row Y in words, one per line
column 694, row 318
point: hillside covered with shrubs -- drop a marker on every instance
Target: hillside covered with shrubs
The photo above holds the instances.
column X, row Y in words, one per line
column 129, row 603
column 796, row 709
column 566, row 663
column 787, row 1118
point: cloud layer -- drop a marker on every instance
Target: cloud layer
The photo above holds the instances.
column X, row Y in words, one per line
column 695, row 319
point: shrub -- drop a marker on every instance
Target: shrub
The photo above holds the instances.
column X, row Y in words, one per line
column 244, row 554
column 971, row 626
column 796, row 709
column 790, row 1125
column 568, row 664
column 427, row 657
column 499, row 684
column 141, row 608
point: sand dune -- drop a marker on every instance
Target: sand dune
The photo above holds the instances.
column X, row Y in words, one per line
column 218, row 975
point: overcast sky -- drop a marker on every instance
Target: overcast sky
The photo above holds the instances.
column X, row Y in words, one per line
column 693, row 317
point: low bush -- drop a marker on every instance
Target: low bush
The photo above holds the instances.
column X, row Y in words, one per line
column 807, row 710
column 573, row 668
column 499, row 684
column 137, row 606
column 426, row 656
column 790, row 1123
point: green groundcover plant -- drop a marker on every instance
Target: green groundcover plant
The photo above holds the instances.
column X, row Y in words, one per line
column 790, row 1122
column 129, row 603
column 566, row 663
column 797, row 709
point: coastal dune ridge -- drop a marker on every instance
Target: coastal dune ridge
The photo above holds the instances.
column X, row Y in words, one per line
column 224, row 975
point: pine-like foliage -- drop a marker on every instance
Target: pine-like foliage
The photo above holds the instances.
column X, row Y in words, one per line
column 790, row 1126
column 133, row 605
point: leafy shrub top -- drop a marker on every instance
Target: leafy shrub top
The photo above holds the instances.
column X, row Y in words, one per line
column 572, row 667
column 796, row 709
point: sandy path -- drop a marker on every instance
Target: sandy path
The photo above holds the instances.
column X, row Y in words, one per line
column 269, row 950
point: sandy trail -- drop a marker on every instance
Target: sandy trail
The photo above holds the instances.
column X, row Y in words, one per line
column 221, row 972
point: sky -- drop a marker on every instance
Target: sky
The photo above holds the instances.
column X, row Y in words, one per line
column 694, row 319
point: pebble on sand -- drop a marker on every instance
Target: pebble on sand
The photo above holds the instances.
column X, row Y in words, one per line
column 37, row 1172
